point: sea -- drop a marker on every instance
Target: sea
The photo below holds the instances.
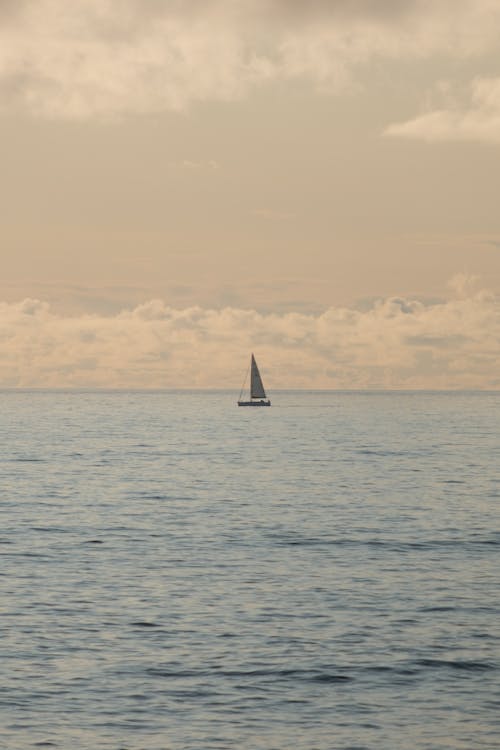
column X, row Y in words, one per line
column 178, row 573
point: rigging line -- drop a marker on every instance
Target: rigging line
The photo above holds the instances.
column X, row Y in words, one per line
column 245, row 380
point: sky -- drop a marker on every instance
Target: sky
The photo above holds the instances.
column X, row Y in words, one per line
column 184, row 182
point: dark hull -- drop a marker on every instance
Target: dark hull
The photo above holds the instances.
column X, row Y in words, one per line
column 254, row 403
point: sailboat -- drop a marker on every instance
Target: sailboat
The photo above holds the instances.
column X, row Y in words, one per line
column 257, row 392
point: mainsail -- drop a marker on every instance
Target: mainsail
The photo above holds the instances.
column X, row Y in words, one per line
column 256, row 386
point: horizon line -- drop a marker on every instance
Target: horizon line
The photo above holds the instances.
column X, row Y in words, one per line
column 208, row 389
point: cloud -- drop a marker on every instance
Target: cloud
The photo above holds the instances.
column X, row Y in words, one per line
column 463, row 283
column 197, row 165
column 397, row 343
column 100, row 58
column 476, row 120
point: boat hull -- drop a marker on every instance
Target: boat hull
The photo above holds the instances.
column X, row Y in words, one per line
column 254, row 403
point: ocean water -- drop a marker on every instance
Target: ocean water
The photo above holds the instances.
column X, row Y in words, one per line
column 180, row 574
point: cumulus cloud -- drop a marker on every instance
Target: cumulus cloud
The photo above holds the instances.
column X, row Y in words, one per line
column 397, row 343
column 478, row 119
column 104, row 58
column 463, row 283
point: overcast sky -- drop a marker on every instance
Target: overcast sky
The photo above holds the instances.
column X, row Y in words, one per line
column 186, row 181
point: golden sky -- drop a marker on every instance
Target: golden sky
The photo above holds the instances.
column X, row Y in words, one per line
column 314, row 180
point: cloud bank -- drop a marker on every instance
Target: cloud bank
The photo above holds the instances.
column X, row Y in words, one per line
column 399, row 343
column 103, row 58
column 476, row 120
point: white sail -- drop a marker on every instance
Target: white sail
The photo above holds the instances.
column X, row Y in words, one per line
column 256, row 386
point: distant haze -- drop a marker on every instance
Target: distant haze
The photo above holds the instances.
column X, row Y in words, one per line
column 183, row 183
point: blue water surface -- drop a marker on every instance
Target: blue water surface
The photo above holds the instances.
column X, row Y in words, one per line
column 180, row 574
